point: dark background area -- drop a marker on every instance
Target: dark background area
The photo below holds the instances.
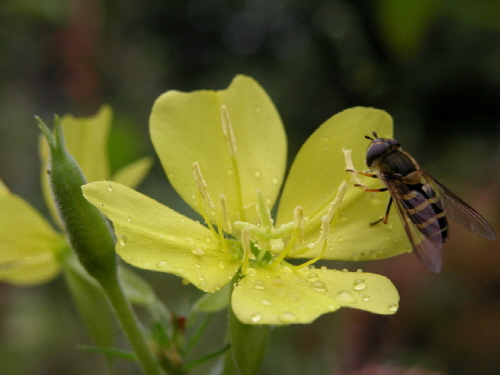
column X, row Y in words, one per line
column 434, row 65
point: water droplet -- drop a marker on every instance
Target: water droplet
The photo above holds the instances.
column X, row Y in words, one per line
column 318, row 286
column 323, row 269
column 257, row 173
column 198, row 251
column 266, row 302
column 259, row 284
column 275, row 181
column 162, row 265
column 312, row 276
column 251, row 271
column 359, row 270
column 237, row 286
column 393, row 307
column 340, row 239
column 281, row 292
column 197, row 266
column 110, row 188
column 355, row 256
column 221, row 264
column 345, row 270
column 255, row 317
column 277, row 281
column 345, row 296
column 122, row 240
column 294, row 297
column 287, row 317
column 201, row 277
column 128, row 218
column 287, row 269
column 359, row 284
column 365, row 298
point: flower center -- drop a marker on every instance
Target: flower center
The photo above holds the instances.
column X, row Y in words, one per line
column 261, row 243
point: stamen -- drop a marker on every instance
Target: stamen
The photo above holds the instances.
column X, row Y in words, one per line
column 247, row 250
column 225, row 215
column 336, row 202
column 227, row 129
column 323, row 238
column 349, row 166
column 298, row 221
column 202, row 185
column 266, row 220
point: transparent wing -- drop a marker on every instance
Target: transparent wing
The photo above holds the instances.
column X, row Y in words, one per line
column 420, row 223
column 460, row 211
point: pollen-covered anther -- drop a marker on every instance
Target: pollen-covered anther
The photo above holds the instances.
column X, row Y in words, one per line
column 349, row 167
column 227, row 129
column 299, row 226
column 228, row 228
column 202, row 185
column 334, row 206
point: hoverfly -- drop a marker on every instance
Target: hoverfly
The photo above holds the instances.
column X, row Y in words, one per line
column 423, row 204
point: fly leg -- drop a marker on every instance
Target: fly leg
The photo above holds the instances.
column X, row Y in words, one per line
column 386, row 216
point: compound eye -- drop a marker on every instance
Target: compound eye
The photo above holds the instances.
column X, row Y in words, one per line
column 375, row 151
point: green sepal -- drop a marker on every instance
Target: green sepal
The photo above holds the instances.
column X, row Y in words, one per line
column 212, row 302
column 248, row 344
column 111, row 352
column 91, row 302
column 87, row 230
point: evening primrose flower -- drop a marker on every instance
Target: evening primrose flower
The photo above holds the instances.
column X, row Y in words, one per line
column 225, row 154
column 31, row 251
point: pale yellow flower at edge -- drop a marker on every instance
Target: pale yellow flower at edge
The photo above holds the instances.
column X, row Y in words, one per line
column 30, row 249
column 225, row 154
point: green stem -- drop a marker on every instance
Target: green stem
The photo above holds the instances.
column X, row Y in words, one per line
column 130, row 325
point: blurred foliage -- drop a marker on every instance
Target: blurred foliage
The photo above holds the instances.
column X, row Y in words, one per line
column 434, row 65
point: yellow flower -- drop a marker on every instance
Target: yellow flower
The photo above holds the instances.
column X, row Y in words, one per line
column 225, row 154
column 31, row 250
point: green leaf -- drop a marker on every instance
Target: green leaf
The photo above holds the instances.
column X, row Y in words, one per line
column 112, row 352
column 196, row 362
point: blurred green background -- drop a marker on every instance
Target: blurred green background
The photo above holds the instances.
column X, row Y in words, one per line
column 434, row 65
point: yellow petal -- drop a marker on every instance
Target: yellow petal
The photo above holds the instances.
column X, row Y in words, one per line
column 281, row 296
column 187, row 127
column 28, row 245
column 155, row 237
column 315, row 176
column 134, row 173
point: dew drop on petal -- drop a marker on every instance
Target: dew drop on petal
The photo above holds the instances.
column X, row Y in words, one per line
column 294, row 297
column 275, row 181
column 259, row 284
column 365, row 298
column 122, row 240
column 277, row 281
column 162, row 265
column 110, row 188
column 198, row 251
column 345, row 296
column 281, row 292
column 255, row 317
column 128, row 218
column 393, row 307
column 312, row 276
column 257, row 173
column 266, row 302
column 359, row 284
column 221, row 264
column 287, row 317
column 318, row 286
column 251, row 271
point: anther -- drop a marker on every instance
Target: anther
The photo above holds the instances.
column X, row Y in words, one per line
column 298, row 221
column 202, row 185
column 225, row 215
column 336, row 202
column 227, row 129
